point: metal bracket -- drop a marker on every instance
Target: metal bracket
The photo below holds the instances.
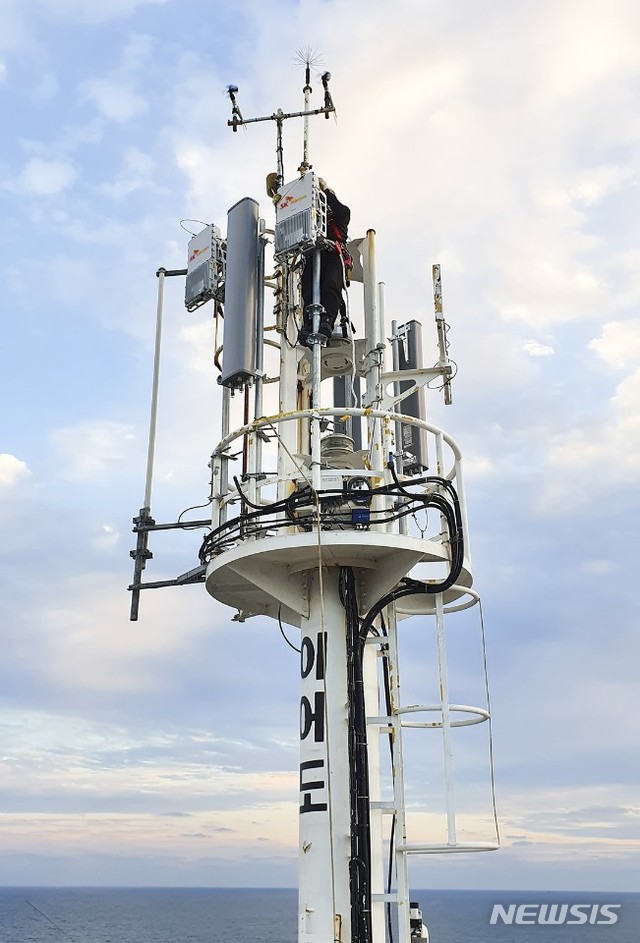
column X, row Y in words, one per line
column 140, row 555
column 143, row 525
column 421, row 378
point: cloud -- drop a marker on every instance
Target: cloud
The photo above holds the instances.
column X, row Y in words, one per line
column 619, row 343
column 45, row 90
column 592, row 185
column 15, row 35
column 90, row 450
column 86, row 642
column 63, row 755
column 557, row 822
column 115, row 94
column 137, row 173
column 197, row 346
column 478, row 466
column 536, row 349
column 12, row 470
column 95, row 13
column 106, row 537
column 42, row 177
column 114, row 99
column 548, row 283
column 611, row 445
column 534, row 261
column 582, row 50
column 598, row 567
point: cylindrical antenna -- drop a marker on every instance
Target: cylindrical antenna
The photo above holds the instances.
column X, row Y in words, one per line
column 305, row 141
column 441, row 328
column 144, row 521
column 308, row 58
column 154, row 391
column 141, row 554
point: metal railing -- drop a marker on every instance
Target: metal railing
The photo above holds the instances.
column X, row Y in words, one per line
column 306, row 468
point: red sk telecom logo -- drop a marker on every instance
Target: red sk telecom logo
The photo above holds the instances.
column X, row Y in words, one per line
column 288, row 200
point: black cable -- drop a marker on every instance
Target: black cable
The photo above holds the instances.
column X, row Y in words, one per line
column 453, row 515
column 290, row 644
column 258, row 507
column 390, row 876
column 223, row 535
column 209, row 542
column 360, row 831
column 187, row 525
column 409, row 587
column 53, row 924
column 289, row 506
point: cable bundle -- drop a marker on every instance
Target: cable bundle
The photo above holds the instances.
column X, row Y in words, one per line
column 360, row 862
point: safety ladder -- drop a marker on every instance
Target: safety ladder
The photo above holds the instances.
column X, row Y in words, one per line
column 447, row 716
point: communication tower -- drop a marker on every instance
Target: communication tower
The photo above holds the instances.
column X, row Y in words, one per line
column 320, row 472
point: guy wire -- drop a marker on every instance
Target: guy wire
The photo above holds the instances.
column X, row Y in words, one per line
column 488, row 700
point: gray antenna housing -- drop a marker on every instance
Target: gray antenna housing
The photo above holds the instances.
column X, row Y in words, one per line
column 241, row 295
column 414, row 438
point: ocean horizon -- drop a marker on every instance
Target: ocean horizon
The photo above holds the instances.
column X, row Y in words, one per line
column 111, row 914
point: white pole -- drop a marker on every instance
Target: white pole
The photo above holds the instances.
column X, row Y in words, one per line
column 371, row 318
column 154, row 390
column 288, row 431
column 324, row 836
column 316, row 466
column 258, row 407
column 381, row 317
column 224, row 460
column 316, row 445
column 305, row 165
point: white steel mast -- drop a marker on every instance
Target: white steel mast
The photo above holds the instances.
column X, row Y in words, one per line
column 325, row 542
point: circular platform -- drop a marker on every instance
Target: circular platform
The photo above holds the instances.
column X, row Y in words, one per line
column 269, row 575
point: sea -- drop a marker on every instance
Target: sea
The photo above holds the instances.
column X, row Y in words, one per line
column 238, row 915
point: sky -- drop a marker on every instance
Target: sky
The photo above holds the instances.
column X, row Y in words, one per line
column 500, row 140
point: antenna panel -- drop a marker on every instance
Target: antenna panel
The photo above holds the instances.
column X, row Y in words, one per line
column 205, row 268
column 301, row 216
column 414, row 438
column 241, row 295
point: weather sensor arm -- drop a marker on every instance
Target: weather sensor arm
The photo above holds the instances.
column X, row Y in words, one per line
column 280, row 117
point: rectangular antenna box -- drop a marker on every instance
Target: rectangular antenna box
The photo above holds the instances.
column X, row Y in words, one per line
column 413, row 438
column 241, row 294
column 301, row 216
column 205, row 268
